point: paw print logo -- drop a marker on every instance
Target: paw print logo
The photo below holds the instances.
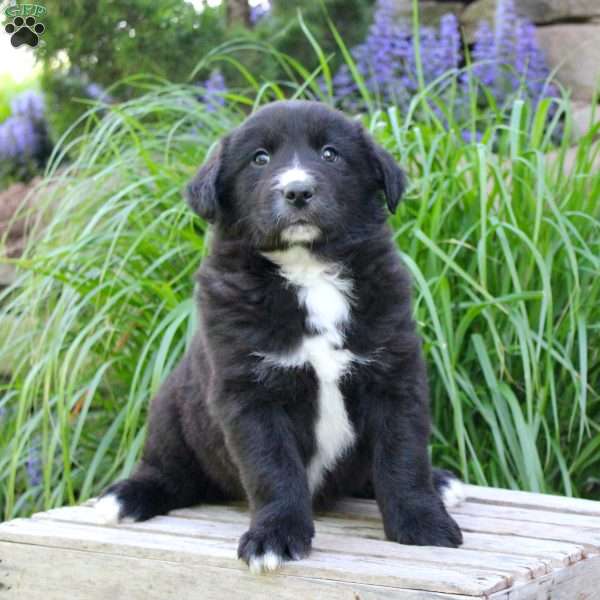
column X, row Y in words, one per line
column 24, row 31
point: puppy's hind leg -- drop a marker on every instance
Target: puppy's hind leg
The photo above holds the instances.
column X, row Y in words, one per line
column 168, row 476
column 150, row 491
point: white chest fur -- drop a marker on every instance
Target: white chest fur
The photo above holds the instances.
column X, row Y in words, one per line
column 325, row 296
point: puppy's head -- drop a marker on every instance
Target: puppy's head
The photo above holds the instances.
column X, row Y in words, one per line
column 296, row 172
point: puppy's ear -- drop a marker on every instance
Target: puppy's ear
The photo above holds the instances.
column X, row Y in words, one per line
column 391, row 177
column 202, row 192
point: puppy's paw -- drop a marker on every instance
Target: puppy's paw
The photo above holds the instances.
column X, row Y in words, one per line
column 108, row 509
column 265, row 547
column 426, row 525
column 130, row 500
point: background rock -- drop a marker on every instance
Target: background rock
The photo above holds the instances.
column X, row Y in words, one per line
column 18, row 216
column 575, row 50
column 430, row 11
column 548, row 11
column 584, row 118
column 538, row 11
column 482, row 10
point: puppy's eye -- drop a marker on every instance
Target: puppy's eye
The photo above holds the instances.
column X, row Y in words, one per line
column 329, row 153
column 261, row 158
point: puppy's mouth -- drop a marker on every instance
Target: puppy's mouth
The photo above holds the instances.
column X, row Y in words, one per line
column 300, row 232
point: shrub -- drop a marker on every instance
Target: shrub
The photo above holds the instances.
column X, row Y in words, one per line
column 105, row 42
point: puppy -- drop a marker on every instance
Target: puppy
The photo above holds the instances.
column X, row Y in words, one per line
column 305, row 380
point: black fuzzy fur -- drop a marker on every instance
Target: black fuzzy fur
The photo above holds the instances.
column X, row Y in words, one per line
column 225, row 428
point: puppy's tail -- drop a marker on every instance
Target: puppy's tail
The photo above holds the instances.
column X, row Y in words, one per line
column 449, row 487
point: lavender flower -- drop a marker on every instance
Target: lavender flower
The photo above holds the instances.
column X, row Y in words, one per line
column 259, row 11
column 506, row 28
column 29, row 105
column 379, row 59
column 449, row 44
column 387, row 62
column 377, row 56
column 33, row 465
column 96, row 92
column 19, row 139
column 215, row 89
column 484, row 54
column 470, row 137
column 510, row 59
column 530, row 61
column 507, row 60
column 23, row 135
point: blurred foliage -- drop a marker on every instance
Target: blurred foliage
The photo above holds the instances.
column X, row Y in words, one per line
column 8, row 89
column 105, row 41
column 110, row 40
column 282, row 29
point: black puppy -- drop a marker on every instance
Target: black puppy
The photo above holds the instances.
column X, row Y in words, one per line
column 305, row 380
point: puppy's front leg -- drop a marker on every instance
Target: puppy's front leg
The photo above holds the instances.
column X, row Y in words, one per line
column 412, row 511
column 264, row 447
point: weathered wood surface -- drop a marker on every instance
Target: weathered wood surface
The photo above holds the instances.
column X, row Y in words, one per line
column 518, row 546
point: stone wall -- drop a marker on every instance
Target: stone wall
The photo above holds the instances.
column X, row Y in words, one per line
column 568, row 31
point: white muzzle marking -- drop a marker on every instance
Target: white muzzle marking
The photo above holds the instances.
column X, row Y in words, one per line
column 300, row 233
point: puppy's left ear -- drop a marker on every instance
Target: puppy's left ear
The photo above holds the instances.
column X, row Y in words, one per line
column 202, row 192
column 391, row 177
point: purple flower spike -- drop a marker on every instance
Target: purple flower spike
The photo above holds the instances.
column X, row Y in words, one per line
column 96, row 92
column 507, row 61
column 449, row 43
column 258, row 12
column 484, row 55
column 19, row 139
column 33, row 466
column 215, row 89
column 29, row 105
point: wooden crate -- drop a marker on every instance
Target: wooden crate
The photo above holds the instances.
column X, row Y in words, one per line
column 518, row 546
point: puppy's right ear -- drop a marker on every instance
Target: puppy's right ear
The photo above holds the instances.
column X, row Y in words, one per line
column 202, row 192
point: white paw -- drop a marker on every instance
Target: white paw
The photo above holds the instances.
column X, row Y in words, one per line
column 107, row 509
column 453, row 493
column 264, row 563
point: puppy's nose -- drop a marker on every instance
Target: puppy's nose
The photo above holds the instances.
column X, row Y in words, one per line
column 298, row 193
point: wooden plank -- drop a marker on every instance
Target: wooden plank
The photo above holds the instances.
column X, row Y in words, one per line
column 577, row 582
column 529, row 515
column 487, row 495
column 515, row 567
column 588, row 538
column 555, row 552
column 31, row 572
column 221, row 553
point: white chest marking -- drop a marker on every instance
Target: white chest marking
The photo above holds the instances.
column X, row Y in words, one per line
column 325, row 296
